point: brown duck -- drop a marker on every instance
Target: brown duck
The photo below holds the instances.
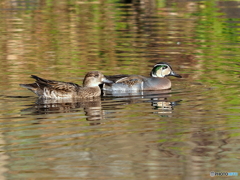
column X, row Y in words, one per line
column 51, row 89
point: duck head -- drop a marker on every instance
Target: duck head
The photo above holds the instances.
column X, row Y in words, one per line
column 94, row 78
column 163, row 69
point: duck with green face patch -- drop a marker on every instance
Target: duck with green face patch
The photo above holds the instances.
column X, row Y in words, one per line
column 157, row 81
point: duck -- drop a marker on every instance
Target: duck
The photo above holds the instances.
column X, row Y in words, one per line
column 157, row 81
column 51, row 89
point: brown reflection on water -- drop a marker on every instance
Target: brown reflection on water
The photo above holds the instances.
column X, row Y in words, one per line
column 3, row 158
column 62, row 144
column 93, row 107
column 74, row 39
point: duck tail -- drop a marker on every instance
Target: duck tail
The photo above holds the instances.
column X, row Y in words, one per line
column 38, row 79
column 32, row 86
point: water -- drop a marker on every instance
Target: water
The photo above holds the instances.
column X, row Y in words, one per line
column 184, row 133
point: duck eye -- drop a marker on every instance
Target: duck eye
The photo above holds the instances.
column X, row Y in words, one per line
column 96, row 75
column 164, row 67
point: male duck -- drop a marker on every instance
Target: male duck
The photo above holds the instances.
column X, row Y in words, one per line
column 50, row 89
column 157, row 81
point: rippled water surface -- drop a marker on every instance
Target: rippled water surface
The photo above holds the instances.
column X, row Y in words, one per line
column 184, row 133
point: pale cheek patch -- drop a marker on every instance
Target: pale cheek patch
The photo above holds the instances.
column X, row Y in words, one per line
column 167, row 72
column 159, row 73
column 163, row 73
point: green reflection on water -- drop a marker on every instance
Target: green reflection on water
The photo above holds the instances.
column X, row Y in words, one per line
column 217, row 50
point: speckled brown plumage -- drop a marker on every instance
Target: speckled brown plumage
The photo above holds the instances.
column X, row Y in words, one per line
column 131, row 80
column 57, row 89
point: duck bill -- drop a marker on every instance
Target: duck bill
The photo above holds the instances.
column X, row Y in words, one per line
column 105, row 80
column 175, row 74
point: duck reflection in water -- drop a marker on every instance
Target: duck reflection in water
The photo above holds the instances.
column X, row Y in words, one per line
column 163, row 105
column 159, row 100
column 92, row 107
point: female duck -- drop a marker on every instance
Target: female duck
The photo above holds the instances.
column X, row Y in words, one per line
column 157, row 81
column 50, row 89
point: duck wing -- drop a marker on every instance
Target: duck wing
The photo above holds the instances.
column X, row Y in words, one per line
column 131, row 80
column 55, row 85
column 44, row 87
column 115, row 78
